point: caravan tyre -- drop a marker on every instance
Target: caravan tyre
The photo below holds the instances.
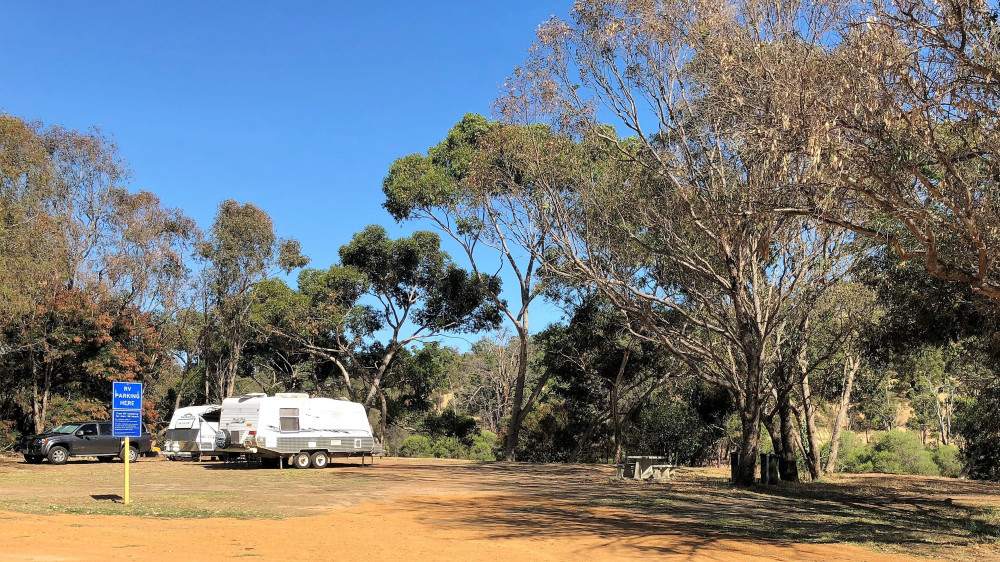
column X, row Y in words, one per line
column 301, row 460
column 320, row 459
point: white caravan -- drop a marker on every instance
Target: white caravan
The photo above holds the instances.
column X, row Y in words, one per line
column 191, row 433
column 307, row 431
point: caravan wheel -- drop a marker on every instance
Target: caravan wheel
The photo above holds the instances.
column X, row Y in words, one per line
column 301, row 460
column 320, row 459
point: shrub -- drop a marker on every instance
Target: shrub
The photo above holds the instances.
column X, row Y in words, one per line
column 448, row 448
column 896, row 452
column 484, row 447
column 948, row 460
column 416, row 446
column 451, row 424
column 847, row 454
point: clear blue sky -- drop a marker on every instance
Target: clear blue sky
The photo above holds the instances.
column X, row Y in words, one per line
column 298, row 107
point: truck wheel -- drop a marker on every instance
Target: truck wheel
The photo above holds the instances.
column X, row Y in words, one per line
column 301, row 460
column 33, row 459
column 133, row 454
column 58, row 455
column 320, row 459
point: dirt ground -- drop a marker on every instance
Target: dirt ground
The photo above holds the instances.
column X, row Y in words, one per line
column 437, row 509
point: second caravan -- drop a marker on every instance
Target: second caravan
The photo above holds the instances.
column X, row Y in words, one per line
column 292, row 426
column 191, row 433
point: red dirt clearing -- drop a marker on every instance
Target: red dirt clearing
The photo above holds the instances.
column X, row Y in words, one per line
column 432, row 510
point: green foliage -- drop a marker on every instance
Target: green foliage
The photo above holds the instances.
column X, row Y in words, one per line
column 948, row 459
column 546, row 435
column 449, row 448
column 417, row 446
column 450, row 298
column 682, row 428
column 895, row 452
column 484, row 447
column 417, row 182
column 451, row 424
column 418, row 373
column 847, row 453
column 875, row 400
column 978, row 420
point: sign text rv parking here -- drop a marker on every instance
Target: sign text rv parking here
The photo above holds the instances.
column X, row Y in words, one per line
column 126, row 406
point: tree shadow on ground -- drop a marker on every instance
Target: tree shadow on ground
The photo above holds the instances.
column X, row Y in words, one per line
column 894, row 511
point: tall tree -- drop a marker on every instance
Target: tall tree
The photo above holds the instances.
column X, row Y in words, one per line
column 384, row 295
column 489, row 216
column 600, row 364
column 667, row 221
column 70, row 227
column 241, row 250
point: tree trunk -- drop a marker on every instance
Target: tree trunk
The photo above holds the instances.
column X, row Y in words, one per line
column 584, row 439
column 850, row 369
column 773, row 431
column 516, row 414
column 746, row 473
column 788, row 461
column 37, row 410
column 616, row 420
column 615, row 417
column 377, row 382
column 812, row 458
column 383, row 419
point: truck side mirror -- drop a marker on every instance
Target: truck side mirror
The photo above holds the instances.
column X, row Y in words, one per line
column 79, row 433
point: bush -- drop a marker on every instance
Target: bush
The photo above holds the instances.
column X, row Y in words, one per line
column 847, row 453
column 417, row 446
column 948, row 460
column 448, row 448
column 977, row 419
column 451, row 424
column 484, row 447
column 897, row 452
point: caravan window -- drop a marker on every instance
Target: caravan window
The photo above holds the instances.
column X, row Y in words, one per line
column 289, row 419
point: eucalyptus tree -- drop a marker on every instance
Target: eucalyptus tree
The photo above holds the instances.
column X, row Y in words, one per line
column 489, row 216
column 823, row 354
column 383, row 296
column 602, row 368
column 673, row 223
column 240, row 250
column 893, row 102
column 74, row 237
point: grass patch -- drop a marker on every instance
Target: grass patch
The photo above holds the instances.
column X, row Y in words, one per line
column 140, row 510
column 985, row 523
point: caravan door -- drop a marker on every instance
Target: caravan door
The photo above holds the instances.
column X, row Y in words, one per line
column 209, row 424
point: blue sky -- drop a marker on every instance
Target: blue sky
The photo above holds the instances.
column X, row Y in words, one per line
column 298, row 107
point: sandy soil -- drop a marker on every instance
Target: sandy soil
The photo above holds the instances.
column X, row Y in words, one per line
column 398, row 509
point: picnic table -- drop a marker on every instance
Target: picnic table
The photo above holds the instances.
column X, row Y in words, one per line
column 651, row 467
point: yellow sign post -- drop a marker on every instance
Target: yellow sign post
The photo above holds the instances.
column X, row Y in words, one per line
column 126, row 419
column 125, row 453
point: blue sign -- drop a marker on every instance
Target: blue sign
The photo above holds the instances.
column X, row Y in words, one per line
column 126, row 396
column 126, row 423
